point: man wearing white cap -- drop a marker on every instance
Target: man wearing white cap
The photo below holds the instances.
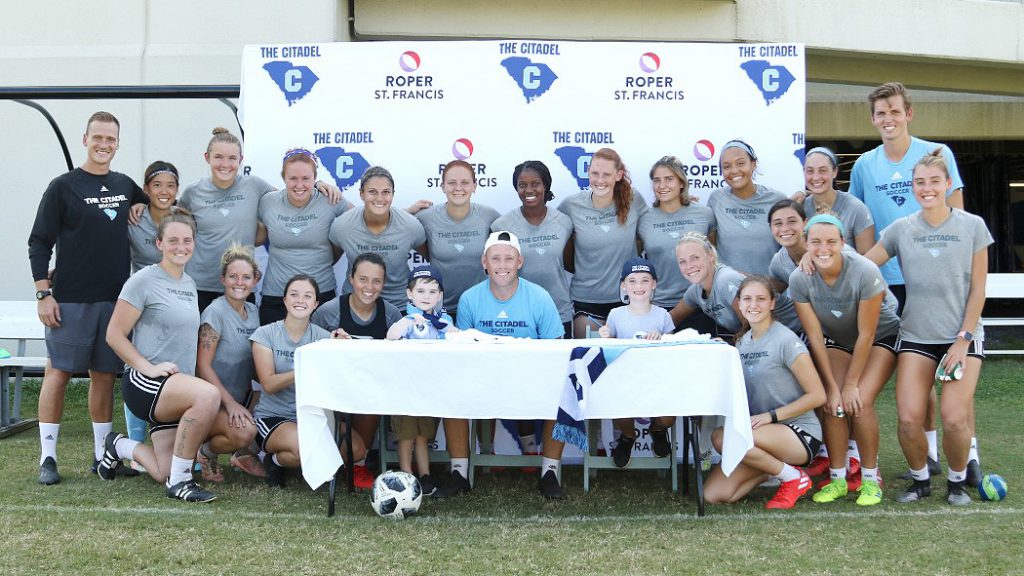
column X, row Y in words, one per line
column 506, row 305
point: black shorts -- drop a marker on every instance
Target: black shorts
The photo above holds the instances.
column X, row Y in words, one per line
column 887, row 342
column 937, row 351
column 811, row 444
column 141, row 394
column 596, row 312
column 266, row 426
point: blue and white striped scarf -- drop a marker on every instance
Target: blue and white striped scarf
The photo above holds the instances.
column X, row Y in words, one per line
column 586, row 363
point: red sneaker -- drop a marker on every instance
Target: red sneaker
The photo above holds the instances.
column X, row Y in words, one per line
column 789, row 492
column 249, row 464
column 853, row 480
column 362, row 478
column 853, row 468
column 817, row 467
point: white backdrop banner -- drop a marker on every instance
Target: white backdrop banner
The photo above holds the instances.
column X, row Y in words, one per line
column 414, row 106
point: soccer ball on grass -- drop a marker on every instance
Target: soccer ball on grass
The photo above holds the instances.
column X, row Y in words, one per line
column 396, row 495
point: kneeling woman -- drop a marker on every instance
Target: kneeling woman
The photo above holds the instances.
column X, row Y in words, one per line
column 850, row 319
column 159, row 307
column 783, row 389
column 273, row 352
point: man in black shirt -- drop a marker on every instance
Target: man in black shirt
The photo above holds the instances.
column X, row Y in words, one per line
column 84, row 213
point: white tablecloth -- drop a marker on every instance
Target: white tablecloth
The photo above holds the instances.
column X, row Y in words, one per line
column 519, row 380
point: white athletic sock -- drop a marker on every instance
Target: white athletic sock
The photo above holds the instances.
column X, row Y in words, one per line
column 957, row 475
column 529, row 442
column 852, row 451
column 550, row 464
column 835, row 473
column 48, row 434
column 920, row 475
column 361, row 463
column 789, row 473
column 822, row 451
column 126, row 448
column 460, row 465
column 869, row 474
column 99, row 434
column 181, row 470
column 973, row 454
column 276, row 461
column 933, row 444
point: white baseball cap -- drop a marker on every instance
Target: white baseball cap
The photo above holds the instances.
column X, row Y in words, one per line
column 502, row 237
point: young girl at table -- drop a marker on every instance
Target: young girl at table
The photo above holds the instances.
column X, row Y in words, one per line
column 425, row 319
column 850, row 319
column 639, row 319
column 273, row 352
column 783, row 389
column 943, row 252
column 361, row 313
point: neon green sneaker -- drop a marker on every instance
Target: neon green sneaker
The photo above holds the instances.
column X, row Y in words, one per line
column 870, row 493
column 832, row 491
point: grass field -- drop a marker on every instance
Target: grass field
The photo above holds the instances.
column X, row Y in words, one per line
column 630, row 523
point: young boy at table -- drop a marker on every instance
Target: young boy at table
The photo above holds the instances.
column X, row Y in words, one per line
column 425, row 319
column 642, row 320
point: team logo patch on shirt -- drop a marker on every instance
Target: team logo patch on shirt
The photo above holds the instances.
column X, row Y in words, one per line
column 459, row 247
column 110, row 213
column 539, row 250
column 295, row 231
column 224, row 211
column 503, row 315
column 837, row 313
column 899, row 200
column 934, row 252
column 605, row 227
column 745, row 223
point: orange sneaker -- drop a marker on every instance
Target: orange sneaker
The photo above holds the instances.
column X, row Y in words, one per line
column 361, row 477
column 817, row 467
column 249, row 464
column 789, row 492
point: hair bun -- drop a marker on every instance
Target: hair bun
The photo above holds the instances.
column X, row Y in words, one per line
column 220, row 130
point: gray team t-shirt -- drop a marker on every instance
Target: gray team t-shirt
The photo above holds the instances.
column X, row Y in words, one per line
column 601, row 246
column 936, row 263
column 402, row 234
column 168, row 329
column 455, row 246
column 543, row 249
column 782, row 264
column 854, row 215
column 625, row 324
column 328, row 314
column 718, row 304
column 233, row 360
column 275, row 337
column 836, row 306
column 298, row 240
column 745, row 240
column 222, row 217
column 142, row 241
column 660, row 232
column 766, row 371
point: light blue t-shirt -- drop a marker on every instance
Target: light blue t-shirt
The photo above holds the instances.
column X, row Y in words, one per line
column 887, row 189
column 529, row 313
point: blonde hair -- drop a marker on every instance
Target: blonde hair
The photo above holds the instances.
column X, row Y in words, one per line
column 700, row 240
column 237, row 252
column 180, row 217
column 221, row 134
column 934, row 158
column 749, row 280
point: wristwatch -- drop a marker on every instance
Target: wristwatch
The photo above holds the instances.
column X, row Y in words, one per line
column 965, row 335
column 40, row 294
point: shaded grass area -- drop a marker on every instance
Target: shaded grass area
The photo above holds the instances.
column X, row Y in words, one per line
column 630, row 522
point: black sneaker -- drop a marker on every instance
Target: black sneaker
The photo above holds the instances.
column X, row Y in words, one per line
column 973, row 473
column 623, row 452
column 917, row 491
column 933, row 470
column 189, row 491
column 549, row 486
column 956, row 493
column 108, row 465
column 275, row 472
column 427, row 485
column 660, row 444
column 456, row 484
column 48, row 475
